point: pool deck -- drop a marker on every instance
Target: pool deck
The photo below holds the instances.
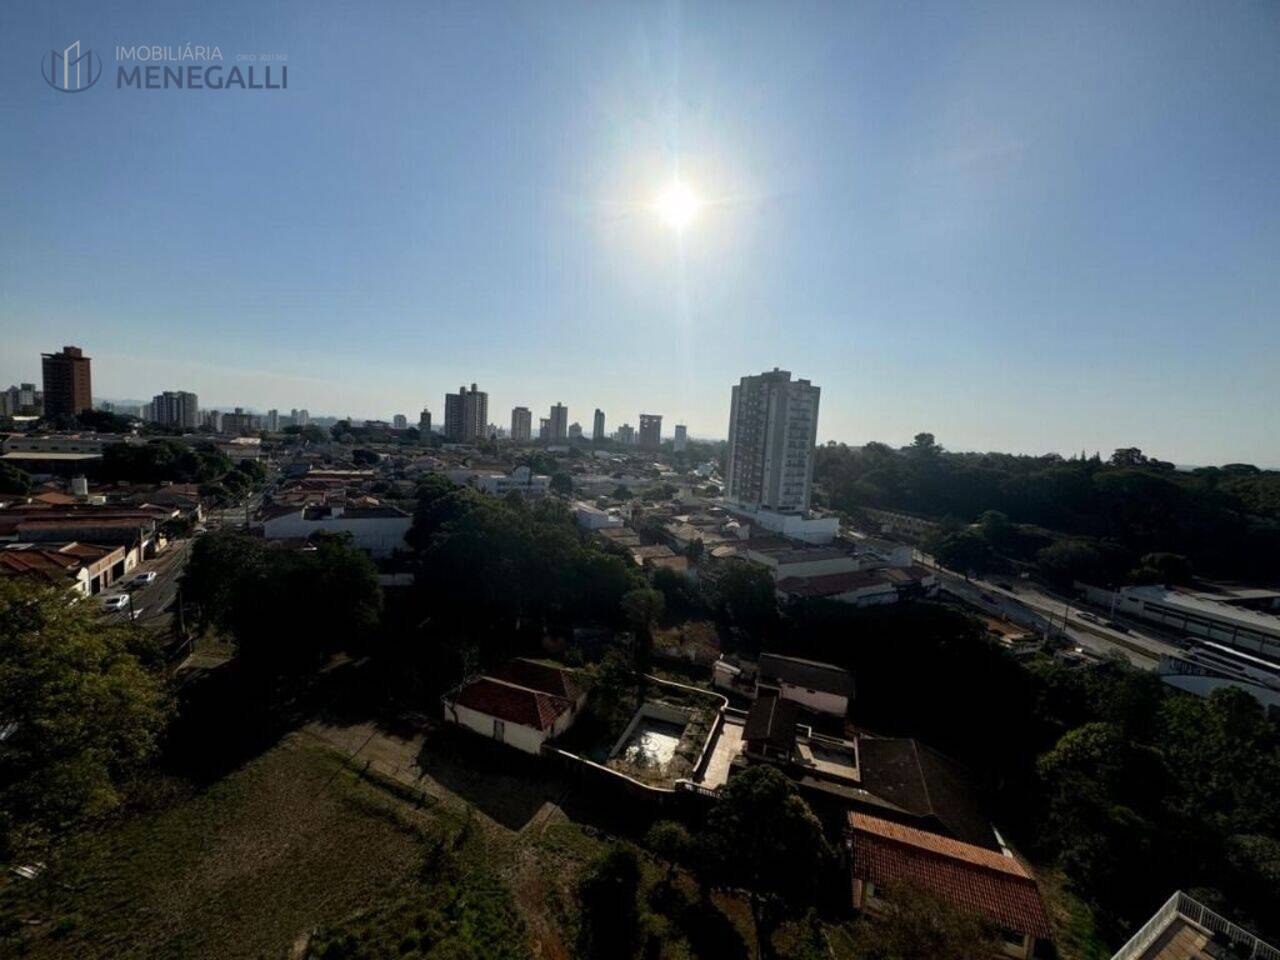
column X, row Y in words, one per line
column 727, row 746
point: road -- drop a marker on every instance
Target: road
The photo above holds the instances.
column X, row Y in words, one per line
column 155, row 601
column 1030, row 605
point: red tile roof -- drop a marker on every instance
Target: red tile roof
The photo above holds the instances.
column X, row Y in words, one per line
column 968, row 877
column 513, row 704
column 540, row 677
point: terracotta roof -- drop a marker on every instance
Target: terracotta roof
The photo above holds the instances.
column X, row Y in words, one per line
column 968, row 877
column 55, row 499
column 540, row 677
column 513, row 704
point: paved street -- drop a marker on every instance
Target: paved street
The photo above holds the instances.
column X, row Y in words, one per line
column 156, row 600
column 1032, row 606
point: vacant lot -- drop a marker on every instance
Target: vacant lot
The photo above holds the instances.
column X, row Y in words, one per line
column 293, row 841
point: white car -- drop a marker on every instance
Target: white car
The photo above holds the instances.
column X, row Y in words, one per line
column 117, row 602
column 144, row 579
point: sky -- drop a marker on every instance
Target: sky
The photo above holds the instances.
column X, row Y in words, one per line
column 1030, row 227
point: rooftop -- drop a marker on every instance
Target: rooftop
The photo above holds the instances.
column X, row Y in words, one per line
column 971, row 878
column 512, row 703
column 810, row 674
column 1185, row 929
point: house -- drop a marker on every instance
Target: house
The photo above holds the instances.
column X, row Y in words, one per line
column 821, row 687
column 887, row 857
column 84, row 568
column 522, row 704
column 378, row 530
column 734, row 674
column 909, row 782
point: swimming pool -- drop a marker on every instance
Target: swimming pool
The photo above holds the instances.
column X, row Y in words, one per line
column 652, row 743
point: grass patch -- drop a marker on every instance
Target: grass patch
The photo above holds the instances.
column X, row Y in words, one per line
column 292, row 841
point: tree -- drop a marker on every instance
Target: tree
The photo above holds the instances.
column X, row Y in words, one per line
column 81, row 711
column 1166, row 568
column 961, row 550
column 763, row 837
column 746, row 602
column 1068, row 560
column 561, row 484
column 622, row 492
column 610, row 921
column 642, row 608
column 13, row 480
column 995, row 528
column 913, row 923
column 671, row 843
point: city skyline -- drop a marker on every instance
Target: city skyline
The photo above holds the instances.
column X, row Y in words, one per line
column 1046, row 231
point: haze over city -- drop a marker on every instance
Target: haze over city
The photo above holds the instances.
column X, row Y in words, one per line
column 1053, row 229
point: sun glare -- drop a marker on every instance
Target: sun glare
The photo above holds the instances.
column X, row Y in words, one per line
column 677, row 205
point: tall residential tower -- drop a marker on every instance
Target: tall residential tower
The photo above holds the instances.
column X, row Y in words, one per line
column 773, row 426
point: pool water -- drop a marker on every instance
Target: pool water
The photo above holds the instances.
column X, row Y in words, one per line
column 653, row 743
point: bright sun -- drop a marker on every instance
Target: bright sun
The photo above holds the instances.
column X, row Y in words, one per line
column 677, row 205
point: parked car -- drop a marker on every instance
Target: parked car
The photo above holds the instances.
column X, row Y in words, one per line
column 1117, row 626
column 144, row 579
column 117, row 602
column 1092, row 618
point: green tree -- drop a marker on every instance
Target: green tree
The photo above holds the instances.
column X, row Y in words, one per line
column 915, row 924
column 671, row 843
column 561, row 484
column 961, row 550
column 13, row 480
column 81, row 712
column 610, row 927
column 746, row 602
column 763, row 837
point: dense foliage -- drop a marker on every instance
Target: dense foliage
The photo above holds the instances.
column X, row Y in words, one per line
column 80, row 713
column 1134, row 788
column 1226, row 520
column 492, row 571
column 286, row 610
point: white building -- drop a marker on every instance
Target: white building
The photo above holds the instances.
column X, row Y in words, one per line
column 521, row 480
column 821, row 687
column 773, row 426
column 522, row 704
column 1201, row 615
column 591, row 517
column 377, row 530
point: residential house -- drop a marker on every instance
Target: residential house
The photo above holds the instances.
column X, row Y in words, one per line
column 522, row 703
column 820, row 687
column 888, row 857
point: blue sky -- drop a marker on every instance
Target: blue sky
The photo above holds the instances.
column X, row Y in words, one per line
column 1021, row 226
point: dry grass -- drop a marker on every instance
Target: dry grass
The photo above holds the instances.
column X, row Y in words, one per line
column 291, row 841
